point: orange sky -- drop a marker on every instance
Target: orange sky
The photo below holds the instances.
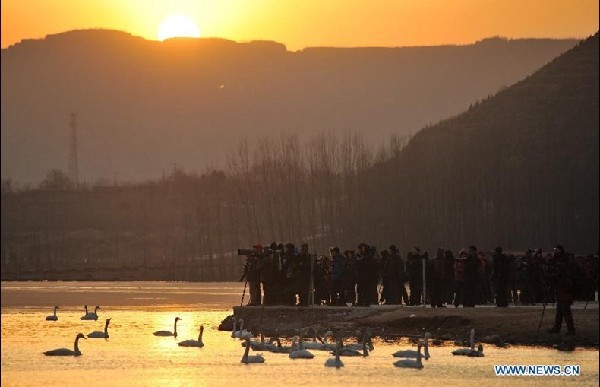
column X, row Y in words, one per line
column 303, row 23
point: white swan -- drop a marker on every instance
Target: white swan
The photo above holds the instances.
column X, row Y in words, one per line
column 335, row 361
column 301, row 352
column 365, row 339
column 53, row 317
column 91, row 315
column 100, row 334
column 242, row 333
column 281, row 349
column 410, row 363
column 261, row 345
column 168, row 333
column 194, row 343
column 414, row 353
column 349, row 350
column 466, row 350
column 477, row 353
column 247, row 359
column 66, row 351
column 314, row 344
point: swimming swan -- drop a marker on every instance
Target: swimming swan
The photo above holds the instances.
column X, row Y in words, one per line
column 281, row 349
column 242, row 333
column 466, row 351
column 477, row 353
column 301, row 352
column 100, row 334
column 314, row 344
column 410, row 363
column 366, row 337
column 247, row 359
column 335, row 361
column 194, row 343
column 91, row 315
column 53, row 317
column 414, row 353
column 261, row 345
column 66, row 351
column 168, row 333
column 347, row 351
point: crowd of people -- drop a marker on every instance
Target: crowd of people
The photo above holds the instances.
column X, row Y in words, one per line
column 286, row 275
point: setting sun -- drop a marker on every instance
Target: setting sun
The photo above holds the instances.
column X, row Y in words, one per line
column 178, row 26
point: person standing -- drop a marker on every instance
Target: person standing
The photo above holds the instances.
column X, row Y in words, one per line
column 350, row 277
column 396, row 277
column 501, row 277
column 266, row 270
column 363, row 275
column 449, row 276
column 251, row 275
column 414, row 268
column 338, row 268
column 435, row 279
column 471, row 278
column 459, row 278
column 302, row 275
column 564, row 285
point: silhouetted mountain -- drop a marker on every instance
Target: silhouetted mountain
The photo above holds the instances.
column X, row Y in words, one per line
column 518, row 170
column 144, row 105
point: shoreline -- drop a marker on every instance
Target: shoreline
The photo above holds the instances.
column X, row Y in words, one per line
column 502, row 327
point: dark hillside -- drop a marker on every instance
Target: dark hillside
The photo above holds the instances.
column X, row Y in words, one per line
column 517, row 169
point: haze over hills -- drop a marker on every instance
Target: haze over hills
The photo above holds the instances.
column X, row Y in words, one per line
column 143, row 106
column 519, row 170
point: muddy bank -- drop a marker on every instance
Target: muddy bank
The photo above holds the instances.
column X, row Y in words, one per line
column 500, row 326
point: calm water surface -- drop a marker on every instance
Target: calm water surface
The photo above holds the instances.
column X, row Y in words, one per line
column 132, row 356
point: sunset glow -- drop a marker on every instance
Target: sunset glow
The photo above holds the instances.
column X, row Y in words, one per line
column 178, row 26
column 309, row 23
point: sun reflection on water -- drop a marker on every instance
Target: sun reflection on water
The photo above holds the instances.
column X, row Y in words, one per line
column 134, row 356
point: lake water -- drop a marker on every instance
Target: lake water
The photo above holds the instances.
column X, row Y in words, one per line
column 133, row 356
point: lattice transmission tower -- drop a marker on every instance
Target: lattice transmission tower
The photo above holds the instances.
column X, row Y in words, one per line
column 73, row 167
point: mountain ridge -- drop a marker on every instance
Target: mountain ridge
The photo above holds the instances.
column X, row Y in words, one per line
column 143, row 105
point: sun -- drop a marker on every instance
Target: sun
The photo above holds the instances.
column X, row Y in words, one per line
column 178, row 26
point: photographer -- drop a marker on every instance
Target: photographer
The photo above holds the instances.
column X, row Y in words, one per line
column 414, row 268
column 337, row 276
column 251, row 274
column 363, row 274
column 501, row 277
column 350, row 277
column 564, row 286
column 301, row 265
column 391, row 273
column 267, row 267
column 459, row 278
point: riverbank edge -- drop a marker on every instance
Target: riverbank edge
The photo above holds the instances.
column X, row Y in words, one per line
column 497, row 326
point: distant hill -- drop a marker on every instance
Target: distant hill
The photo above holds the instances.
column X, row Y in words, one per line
column 143, row 106
column 519, row 169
